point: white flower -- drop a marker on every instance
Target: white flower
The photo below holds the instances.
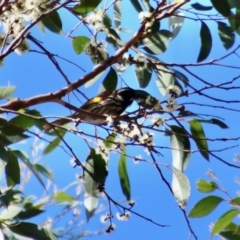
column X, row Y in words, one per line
column 143, row 15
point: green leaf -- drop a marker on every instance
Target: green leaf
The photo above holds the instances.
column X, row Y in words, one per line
column 24, row 157
column 86, row 7
column 53, row 22
column 30, row 212
column 199, row 137
column 205, row 206
column 234, row 3
column 206, row 187
column 12, row 170
column 201, row 7
column 158, row 42
column 226, row 35
column 32, row 230
column 164, row 80
column 62, row 197
column 108, row 142
column 7, row 91
column 175, row 23
column 230, row 235
column 43, row 171
column 3, row 154
column 8, row 197
column 235, row 201
column 206, row 42
column 224, row 221
column 222, row 7
column 180, row 187
column 183, row 78
column 90, row 204
column 181, row 148
column 117, row 14
column 214, row 121
column 123, row 175
column 136, row 5
column 143, row 74
column 79, row 43
column 11, row 212
column 111, row 40
column 110, row 81
column 53, row 144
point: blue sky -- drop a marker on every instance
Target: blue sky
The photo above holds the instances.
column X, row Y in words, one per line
column 33, row 74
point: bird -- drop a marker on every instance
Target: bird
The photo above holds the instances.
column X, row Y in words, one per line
column 112, row 103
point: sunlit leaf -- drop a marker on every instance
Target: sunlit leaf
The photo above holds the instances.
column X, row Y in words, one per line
column 206, row 187
column 222, row 7
column 7, row 91
column 41, row 169
column 143, row 74
column 199, row 137
column 235, row 201
column 205, row 206
column 224, row 221
column 180, row 187
column 117, row 14
column 181, row 148
column 79, row 43
column 206, row 42
column 226, row 35
column 108, row 142
column 123, row 175
column 158, row 42
column 175, row 23
column 164, row 80
column 86, row 7
column 90, row 204
column 12, row 211
column 110, row 81
column 201, row 7
column 53, row 22
column 62, row 197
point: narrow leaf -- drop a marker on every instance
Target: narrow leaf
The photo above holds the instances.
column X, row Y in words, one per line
column 110, row 81
column 6, row 91
column 215, row 122
column 90, row 204
column 235, row 201
column 117, row 14
column 224, row 221
column 62, row 197
column 226, row 35
column 180, row 187
column 205, row 206
column 86, row 7
column 206, row 42
column 199, row 137
column 175, row 23
column 201, row 7
column 136, row 5
column 180, row 147
column 53, row 144
column 123, row 175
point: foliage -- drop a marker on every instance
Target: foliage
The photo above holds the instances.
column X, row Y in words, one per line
column 173, row 116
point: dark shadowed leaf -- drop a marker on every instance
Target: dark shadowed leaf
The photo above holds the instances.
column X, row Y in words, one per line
column 8, row 197
column 232, row 232
column 235, row 201
column 226, row 35
column 143, row 74
column 30, row 212
column 136, row 5
column 12, row 170
column 86, row 7
column 201, row 7
column 205, row 206
column 32, row 230
column 110, row 81
column 199, row 137
column 182, row 77
column 79, row 43
column 158, row 42
column 41, row 169
column 224, row 221
column 215, row 122
column 206, row 187
column 206, row 42
column 181, row 148
column 6, row 91
column 222, row 7
column 123, row 175
column 3, row 154
column 53, row 22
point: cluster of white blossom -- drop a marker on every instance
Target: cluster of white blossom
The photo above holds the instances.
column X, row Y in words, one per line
column 15, row 15
column 97, row 51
